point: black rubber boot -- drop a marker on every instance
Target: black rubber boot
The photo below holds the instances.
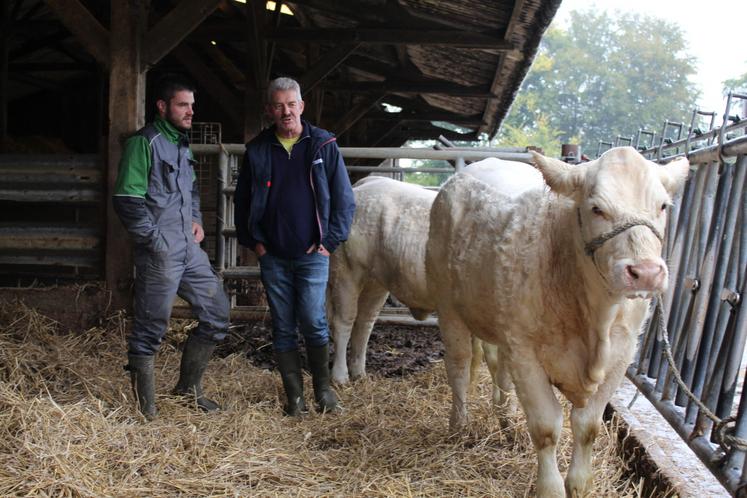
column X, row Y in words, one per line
column 289, row 364
column 143, row 383
column 325, row 397
column 197, row 353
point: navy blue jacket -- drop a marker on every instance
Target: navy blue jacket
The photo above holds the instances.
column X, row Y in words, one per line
column 330, row 184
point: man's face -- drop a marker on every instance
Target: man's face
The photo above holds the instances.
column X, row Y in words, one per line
column 179, row 110
column 285, row 109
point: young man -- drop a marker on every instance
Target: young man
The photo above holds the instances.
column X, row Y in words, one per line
column 157, row 199
column 294, row 206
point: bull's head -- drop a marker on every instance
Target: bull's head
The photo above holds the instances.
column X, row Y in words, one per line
column 621, row 202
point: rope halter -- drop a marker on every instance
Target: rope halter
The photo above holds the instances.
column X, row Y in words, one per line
column 594, row 244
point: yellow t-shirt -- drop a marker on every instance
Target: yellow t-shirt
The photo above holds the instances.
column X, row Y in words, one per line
column 288, row 143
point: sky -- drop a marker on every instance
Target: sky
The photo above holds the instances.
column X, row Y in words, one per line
column 714, row 31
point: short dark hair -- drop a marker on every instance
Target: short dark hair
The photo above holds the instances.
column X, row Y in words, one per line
column 169, row 84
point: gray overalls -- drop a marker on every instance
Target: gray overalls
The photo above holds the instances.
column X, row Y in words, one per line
column 168, row 262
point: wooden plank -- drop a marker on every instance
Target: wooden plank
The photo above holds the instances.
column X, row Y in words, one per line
column 174, row 27
column 451, row 38
column 235, row 31
column 84, row 26
column 328, row 63
column 126, row 115
column 406, row 87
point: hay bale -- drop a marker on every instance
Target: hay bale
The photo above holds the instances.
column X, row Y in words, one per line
column 69, row 427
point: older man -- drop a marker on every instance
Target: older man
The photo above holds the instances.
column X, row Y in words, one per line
column 294, row 206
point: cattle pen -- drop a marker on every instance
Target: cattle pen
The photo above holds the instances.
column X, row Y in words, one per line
column 701, row 316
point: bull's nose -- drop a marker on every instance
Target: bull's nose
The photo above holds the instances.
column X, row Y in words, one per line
column 646, row 275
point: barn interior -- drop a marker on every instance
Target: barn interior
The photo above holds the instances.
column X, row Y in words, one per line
column 76, row 78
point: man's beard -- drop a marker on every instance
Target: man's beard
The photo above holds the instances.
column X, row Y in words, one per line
column 178, row 125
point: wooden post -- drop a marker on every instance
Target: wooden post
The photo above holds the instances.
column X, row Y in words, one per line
column 5, row 26
column 126, row 115
column 256, row 79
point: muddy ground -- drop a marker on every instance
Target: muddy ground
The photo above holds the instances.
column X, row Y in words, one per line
column 393, row 350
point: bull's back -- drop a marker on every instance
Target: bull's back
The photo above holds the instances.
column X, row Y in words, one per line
column 484, row 254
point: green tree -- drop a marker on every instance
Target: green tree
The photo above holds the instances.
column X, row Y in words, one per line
column 604, row 76
column 738, row 84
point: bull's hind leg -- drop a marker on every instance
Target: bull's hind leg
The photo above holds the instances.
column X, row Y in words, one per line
column 495, row 357
column 371, row 299
column 474, row 365
column 457, row 341
column 544, row 419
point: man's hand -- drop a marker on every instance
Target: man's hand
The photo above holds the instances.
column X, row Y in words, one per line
column 322, row 250
column 260, row 250
column 198, row 232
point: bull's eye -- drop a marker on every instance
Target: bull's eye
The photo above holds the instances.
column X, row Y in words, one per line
column 597, row 211
column 664, row 207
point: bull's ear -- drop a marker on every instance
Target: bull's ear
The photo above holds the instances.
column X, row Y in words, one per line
column 561, row 177
column 673, row 174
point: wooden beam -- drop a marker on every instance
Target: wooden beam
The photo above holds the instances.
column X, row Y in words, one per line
column 491, row 106
column 328, row 63
column 126, row 115
column 174, row 27
column 35, row 44
column 427, row 117
column 406, row 87
column 84, row 26
column 234, row 74
column 211, row 83
column 451, row 38
column 345, row 8
column 234, row 31
column 356, row 113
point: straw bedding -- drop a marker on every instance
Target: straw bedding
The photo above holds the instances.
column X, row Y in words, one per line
column 69, row 427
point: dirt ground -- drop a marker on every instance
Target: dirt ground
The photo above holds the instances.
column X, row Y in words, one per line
column 393, row 350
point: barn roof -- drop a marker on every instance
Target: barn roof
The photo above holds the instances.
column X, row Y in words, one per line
column 438, row 61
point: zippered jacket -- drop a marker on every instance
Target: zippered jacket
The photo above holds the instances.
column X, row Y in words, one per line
column 330, row 184
column 156, row 195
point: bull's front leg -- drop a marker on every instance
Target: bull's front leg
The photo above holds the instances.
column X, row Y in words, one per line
column 544, row 420
column 342, row 308
column 585, row 423
column 371, row 299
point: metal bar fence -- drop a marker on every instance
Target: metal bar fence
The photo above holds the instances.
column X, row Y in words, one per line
column 706, row 247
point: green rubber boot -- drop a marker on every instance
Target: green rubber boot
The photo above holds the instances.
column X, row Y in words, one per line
column 197, row 353
column 289, row 364
column 325, row 397
column 143, row 383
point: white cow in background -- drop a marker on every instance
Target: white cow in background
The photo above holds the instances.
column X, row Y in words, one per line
column 560, row 281
column 385, row 252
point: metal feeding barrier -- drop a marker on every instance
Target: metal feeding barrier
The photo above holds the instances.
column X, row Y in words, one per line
column 702, row 313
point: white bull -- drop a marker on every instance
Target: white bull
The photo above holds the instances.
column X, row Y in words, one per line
column 385, row 252
column 560, row 281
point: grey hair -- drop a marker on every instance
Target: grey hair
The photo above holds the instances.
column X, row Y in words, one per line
column 283, row 84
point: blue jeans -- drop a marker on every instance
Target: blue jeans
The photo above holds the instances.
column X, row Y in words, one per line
column 296, row 292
